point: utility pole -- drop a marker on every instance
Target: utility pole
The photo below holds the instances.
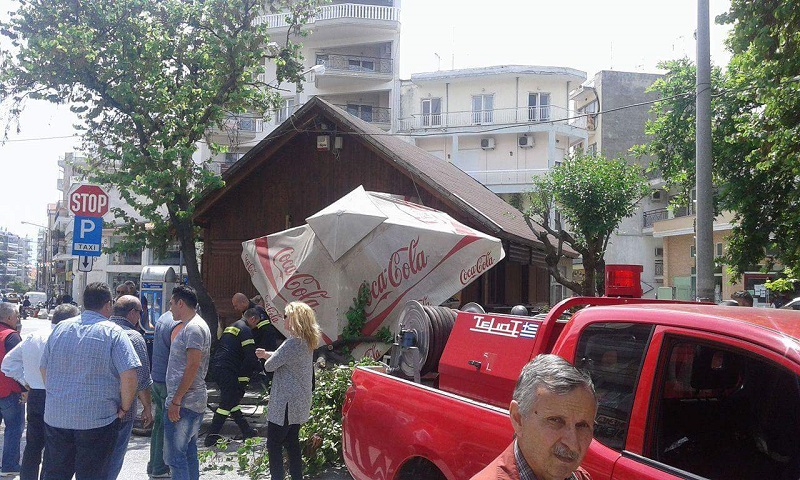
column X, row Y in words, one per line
column 704, row 231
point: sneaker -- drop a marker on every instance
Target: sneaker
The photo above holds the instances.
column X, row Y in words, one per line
column 162, row 475
column 9, row 474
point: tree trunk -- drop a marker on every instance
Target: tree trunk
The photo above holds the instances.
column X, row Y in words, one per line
column 207, row 307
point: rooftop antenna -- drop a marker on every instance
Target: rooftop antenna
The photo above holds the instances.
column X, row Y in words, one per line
column 612, row 55
column 438, row 61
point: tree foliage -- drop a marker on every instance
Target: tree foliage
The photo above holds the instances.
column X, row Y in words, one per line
column 756, row 131
column 148, row 79
column 592, row 194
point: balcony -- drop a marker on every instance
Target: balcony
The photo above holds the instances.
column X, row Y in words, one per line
column 650, row 217
column 237, row 129
column 342, row 11
column 506, row 181
column 357, row 66
column 379, row 116
column 498, row 116
column 585, row 121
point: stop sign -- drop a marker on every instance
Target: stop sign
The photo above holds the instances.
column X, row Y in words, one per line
column 88, row 201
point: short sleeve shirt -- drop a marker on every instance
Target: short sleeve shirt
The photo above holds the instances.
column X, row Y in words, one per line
column 195, row 335
column 83, row 359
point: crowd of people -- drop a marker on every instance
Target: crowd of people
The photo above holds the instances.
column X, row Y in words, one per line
column 85, row 379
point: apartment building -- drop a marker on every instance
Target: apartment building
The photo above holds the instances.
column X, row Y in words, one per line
column 501, row 125
column 14, row 259
column 623, row 99
column 351, row 59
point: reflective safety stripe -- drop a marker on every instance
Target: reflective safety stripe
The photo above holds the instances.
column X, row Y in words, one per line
column 262, row 323
column 236, row 408
column 244, row 379
column 249, row 341
column 232, row 330
column 223, row 412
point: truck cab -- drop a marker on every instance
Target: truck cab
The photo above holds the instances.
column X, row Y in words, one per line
column 684, row 390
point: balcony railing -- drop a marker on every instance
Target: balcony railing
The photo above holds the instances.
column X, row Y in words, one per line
column 650, row 217
column 368, row 113
column 497, row 116
column 522, row 177
column 335, row 62
column 333, row 12
column 653, row 216
column 659, row 268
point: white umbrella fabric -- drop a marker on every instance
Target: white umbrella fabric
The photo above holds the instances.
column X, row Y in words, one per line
column 404, row 251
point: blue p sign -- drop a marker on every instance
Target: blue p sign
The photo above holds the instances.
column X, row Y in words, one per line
column 87, row 234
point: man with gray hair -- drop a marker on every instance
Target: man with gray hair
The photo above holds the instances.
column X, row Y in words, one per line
column 12, row 410
column 552, row 411
column 22, row 364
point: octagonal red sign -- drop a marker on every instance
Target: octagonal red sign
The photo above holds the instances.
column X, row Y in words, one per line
column 88, row 201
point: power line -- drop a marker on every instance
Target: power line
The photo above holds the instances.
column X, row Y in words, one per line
column 36, row 139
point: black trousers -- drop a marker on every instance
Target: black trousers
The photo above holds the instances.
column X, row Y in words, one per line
column 35, row 436
column 278, row 437
column 83, row 453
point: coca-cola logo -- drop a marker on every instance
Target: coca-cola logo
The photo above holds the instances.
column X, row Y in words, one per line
column 284, row 262
column 249, row 265
column 305, row 288
column 404, row 263
column 483, row 263
column 272, row 312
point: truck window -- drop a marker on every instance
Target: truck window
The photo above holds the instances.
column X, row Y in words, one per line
column 613, row 353
column 724, row 413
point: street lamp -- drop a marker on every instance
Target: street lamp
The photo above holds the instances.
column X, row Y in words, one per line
column 46, row 277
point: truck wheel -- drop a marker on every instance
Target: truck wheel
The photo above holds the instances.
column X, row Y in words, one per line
column 418, row 468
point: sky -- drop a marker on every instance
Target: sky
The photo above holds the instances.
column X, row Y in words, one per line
column 588, row 35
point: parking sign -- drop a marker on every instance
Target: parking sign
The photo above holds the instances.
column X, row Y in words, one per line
column 87, row 234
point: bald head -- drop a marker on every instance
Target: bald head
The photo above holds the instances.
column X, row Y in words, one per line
column 127, row 304
column 240, row 302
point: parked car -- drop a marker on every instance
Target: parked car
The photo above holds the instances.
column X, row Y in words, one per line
column 792, row 305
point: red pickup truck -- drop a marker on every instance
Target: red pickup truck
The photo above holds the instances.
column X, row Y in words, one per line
column 686, row 391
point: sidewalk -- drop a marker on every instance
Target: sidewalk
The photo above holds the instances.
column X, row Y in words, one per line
column 135, row 466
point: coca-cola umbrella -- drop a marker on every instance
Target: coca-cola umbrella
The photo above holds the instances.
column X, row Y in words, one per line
column 404, row 251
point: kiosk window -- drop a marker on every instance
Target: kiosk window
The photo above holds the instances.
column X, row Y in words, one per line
column 724, row 413
column 613, row 353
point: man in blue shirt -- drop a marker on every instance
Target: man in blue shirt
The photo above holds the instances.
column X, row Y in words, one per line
column 89, row 371
column 127, row 310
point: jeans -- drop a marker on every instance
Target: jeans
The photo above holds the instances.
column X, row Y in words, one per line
column 34, row 436
column 180, row 444
column 120, row 448
column 12, row 413
column 84, row 453
column 156, row 465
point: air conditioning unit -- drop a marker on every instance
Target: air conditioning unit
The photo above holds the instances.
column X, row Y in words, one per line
column 487, row 143
column 525, row 141
column 659, row 251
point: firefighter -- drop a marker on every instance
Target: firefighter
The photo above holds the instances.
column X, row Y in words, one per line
column 265, row 334
column 234, row 361
column 269, row 338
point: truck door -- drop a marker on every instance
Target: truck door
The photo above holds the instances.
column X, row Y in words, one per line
column 713, row 407
column 613, row 354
